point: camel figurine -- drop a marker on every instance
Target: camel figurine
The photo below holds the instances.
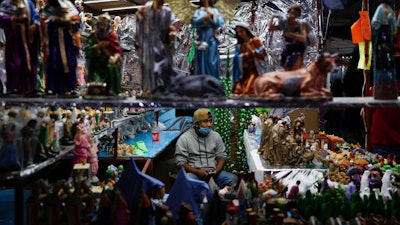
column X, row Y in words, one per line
column 308, row 81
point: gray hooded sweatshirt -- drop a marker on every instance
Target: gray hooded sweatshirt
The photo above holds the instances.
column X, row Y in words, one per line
column 197, row 151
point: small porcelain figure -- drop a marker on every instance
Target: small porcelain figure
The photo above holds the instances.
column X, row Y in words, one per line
column 299, row 128
column 386, row 182
column 82, row 143
column 257, row 125
column 364, row 185
column 93, row 161
column 67, row 138
column 9, row 159
column 29, row 141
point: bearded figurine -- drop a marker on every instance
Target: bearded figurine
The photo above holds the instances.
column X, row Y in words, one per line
column 104, row 60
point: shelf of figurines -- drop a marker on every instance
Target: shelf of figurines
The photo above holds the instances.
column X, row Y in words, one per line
column 33, row 168
column 20, row 170
column 230, row 102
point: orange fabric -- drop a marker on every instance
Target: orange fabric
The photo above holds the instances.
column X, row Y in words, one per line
column 356, row 35
column 361, row 29
column 365, row 25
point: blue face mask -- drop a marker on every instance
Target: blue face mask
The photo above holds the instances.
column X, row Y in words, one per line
column 204, row 131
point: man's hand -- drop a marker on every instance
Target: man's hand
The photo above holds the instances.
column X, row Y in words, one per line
column 202, row 174
column 211, row 173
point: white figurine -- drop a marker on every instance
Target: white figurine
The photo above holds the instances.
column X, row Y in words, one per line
column 364, row 185
column 365, row 180
column 386, row 184
column 257, row 123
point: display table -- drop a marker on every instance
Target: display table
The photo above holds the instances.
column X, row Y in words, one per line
column 253, row 158
column 146, row 150
column 260, row 167
column 154, row 149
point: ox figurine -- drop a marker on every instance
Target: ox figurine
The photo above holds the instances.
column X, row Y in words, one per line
column 305, row 82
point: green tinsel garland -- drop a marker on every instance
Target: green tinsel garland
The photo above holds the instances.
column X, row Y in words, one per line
column 222, row 126
column 232, row 134
column 232, row 131
column 242, row 118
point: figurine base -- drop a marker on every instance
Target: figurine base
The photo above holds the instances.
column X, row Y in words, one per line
column 97, row 91
column 105, row 97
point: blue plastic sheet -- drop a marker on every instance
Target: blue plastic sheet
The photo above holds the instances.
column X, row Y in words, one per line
column 338, row 4
column 131, row 183
column 189, row 191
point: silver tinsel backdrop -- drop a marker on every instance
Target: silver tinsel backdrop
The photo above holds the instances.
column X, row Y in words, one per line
column 256, row 13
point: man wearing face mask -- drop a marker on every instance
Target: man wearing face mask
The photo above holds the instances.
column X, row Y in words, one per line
column 201, row 151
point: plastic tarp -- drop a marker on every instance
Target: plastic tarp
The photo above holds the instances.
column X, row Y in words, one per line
column 338, row 4
column 173, row 123
column 189, row 191
column 131, row 183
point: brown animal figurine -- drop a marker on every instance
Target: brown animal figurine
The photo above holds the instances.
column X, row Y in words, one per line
column 305, row 82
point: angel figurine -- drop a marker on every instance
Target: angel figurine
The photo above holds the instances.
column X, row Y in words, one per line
column 206, row 19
